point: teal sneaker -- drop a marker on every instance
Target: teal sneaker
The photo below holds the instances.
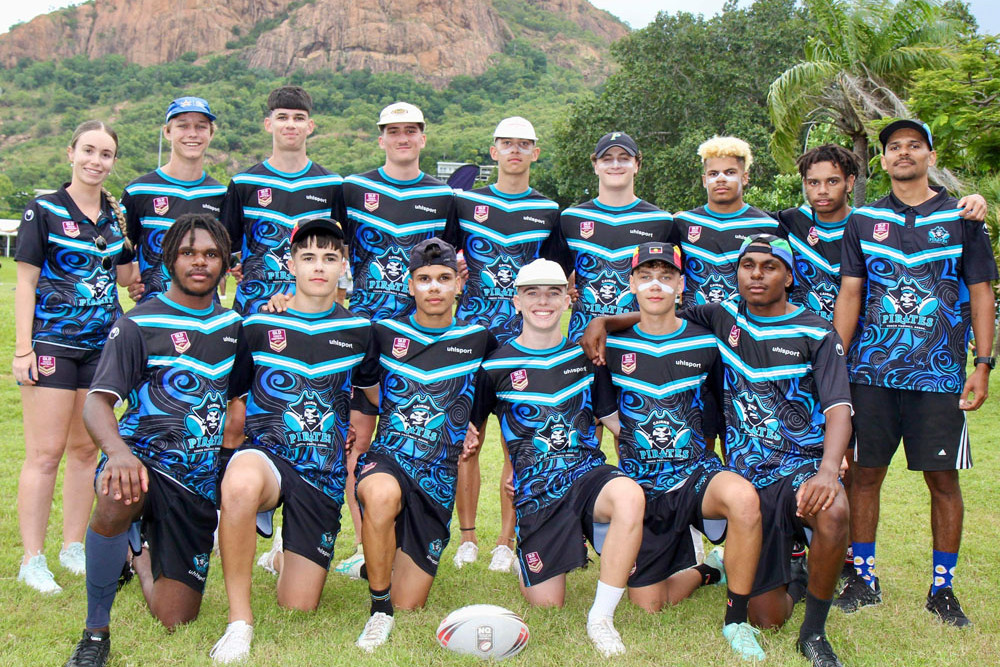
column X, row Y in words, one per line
column 742, row 637
column 714, row 560
column 351, row 567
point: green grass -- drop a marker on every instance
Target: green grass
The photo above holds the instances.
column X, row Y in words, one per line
column 37, row 630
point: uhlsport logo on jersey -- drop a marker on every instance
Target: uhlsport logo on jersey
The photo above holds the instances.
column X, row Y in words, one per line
column 277, row 339
column 694, row 233
column 534, row 562
column 161, row 205
column 70, row 228
column 46, row 364
column 420, row 418
column 587, row 229
column 813, row 237
column 662, row 438
column 938, row 235
column 264, row 196
column 555, row 437
column 181, row 341
column 400, row 346
column 734, row 336
column 881, row 231
column 907, row 305
column 309, row 420
column 434, row 550
column 200, row 569
column 371, row 201
column 326, row 541
column 481, row 213
column 519, row 379
column 755, row 418
column 628, row 363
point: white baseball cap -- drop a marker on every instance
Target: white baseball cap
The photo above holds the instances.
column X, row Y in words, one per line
column 541, row 272
column 401, row 112
column 515, row 127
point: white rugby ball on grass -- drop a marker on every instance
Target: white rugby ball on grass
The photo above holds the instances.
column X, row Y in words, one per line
column 483, row 630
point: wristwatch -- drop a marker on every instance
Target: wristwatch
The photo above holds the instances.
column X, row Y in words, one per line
column 989, row 361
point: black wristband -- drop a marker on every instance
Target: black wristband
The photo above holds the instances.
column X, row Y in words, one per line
column 467, row 529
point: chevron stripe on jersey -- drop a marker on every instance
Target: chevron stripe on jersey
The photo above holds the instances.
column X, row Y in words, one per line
column 711, row 244
column 386, row 219
column 601, row 239
column 816, row 246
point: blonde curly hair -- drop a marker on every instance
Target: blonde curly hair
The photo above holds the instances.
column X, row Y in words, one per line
column 726, row 147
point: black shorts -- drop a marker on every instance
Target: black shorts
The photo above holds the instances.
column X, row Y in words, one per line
column 550, row 541
column 361, row 403
column 932, row 427
column 666, row 535
column 310, row 518
column 423, row 526
column 65, row 367
column 780, row 528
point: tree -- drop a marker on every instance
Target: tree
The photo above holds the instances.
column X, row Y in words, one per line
column 856, row 70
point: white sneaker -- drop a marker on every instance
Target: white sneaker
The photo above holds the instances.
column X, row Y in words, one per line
column 234, row 646
column 467, row 552
column 36, row 574
column 73, row 559
column 351, row 566
column 376, row 631
column 606, row 639
column 503, row 559
column 266, row 559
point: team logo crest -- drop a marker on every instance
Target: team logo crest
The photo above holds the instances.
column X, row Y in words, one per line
column 756, row 419
column 907, row 303
column 277, row 339
column 534, row 562
column 813, row 237
column 555, row 437
column 628, row 363
column 587, row 229
column 694, row 233
column 371, row 201
column 161, row 205
column 938, row 235
column 181, row 341
column 207, row 418
column 822, row 298
column 500, row 274
column 715, row 289
column 734, row 336
column 481, row 213
column 400, row 346
column 201, row 564
column 420, row 418
column 881, row 231
column 435, row 548
column 308, row 414
column 264, row 196
column 519, row 379
column 326, row 540
column 661, row 437
column 97, row 286
column 606, row 290
column 276, row 258
column 389, row 267
column 71, row 229
column 484, row 638
column 46, row 364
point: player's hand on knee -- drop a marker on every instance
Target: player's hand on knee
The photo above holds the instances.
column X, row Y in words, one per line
column 124, row 478
column 817, row 493
column 277, row 303
column 471, row 445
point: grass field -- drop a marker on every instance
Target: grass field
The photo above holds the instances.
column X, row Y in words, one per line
column 37, row 630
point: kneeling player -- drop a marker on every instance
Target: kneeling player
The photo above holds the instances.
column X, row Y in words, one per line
column 659, row 368
column 170, row 358
column 296, row 421
column 541, row 387
column 425, row 365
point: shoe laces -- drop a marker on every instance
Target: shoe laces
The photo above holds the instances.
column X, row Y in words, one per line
column 89, row 649
column 377, row 626
column 745, row 638
column 604, row 632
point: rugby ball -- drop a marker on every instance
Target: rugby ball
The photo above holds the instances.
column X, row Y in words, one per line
column 483, row 630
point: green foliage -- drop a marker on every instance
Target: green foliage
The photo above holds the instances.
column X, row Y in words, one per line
column 523, row 14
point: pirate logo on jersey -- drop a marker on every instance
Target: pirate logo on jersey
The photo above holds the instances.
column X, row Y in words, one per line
column 606, row 292
column 555, row 437
column 908, row 305
column 755, row 419
column 276, row 260
column 205, row 421
column 822, row 298
column 938, row 235
column 308, row 415
column 388, row 272
column 715, row 289
column 661, row 438
column 419, row 418
column 161, row 205
column 96, row 289
column 498, row 278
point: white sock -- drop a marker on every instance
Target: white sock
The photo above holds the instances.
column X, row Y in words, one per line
column 605, row 602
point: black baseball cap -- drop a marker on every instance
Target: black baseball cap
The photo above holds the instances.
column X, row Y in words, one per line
column 656, row 252
column 433, row 252
column 325, row 225
column 619, row 139
column 903, row 123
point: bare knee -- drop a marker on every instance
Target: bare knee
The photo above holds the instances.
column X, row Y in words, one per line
column 943, row 484
column 380, row 497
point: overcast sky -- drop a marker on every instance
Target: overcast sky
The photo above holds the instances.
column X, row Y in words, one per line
column 637, row 13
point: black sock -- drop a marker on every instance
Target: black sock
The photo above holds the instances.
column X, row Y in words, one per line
column 736, row 607
column 709, row 575
column 815, row 621
column 381, row 602
column 364, row 572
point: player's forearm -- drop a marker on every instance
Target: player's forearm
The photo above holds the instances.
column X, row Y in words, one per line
column 99, row 418
column 24, row 306
column 983, row 306
column 848, row 308
column 837, row 435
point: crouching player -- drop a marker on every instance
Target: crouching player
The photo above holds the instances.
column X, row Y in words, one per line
column 299, row 385
column 170, row 358
column 659, row 368
column 542, row 390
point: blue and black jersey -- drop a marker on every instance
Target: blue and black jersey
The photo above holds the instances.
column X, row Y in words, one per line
column 76, row 299
column 545, row 401
column 299, row 389
column 918, row 262
column 500, row 234
column 172, row 364
column 261, row 208
column 386, row 218
column 659, row 382
column 781, row 375
column 816, row 246
column 426, row 378
column 601, row 240
column 152, row 203
column 711, row 244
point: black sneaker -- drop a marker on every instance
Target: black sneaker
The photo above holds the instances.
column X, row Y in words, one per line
column 946, row 607
column 126, row 576
column 91, row 651
column 819, row 652
column 857, row 594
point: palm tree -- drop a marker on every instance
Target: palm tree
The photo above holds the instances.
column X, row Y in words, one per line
column 855, row 71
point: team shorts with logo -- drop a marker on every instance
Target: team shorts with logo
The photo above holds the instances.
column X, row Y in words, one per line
column 550, row 541
column 361, row 403
column 423, row 525
column 780, row 528
column 932, row 427
column 310, row 518
column 666, row 535
column 62, row 367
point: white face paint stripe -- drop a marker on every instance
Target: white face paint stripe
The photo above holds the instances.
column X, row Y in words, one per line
column 722, row 177
column 423, row 287
column 642, row 287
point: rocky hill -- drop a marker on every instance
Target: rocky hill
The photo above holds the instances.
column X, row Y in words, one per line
column 432, row 39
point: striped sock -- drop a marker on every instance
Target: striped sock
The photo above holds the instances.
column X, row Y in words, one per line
column 381, row 601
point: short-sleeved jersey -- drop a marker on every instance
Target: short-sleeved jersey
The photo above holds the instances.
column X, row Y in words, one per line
column 500, row 234
column 386, row 219
column 711, row 244
column 816, row 246
column 781, row 375
column 153, row 202
column 76, row 298
column 545, row 402
column 601, row 240
column 172, row 364
column 427, row 379
column 300, row 388
column 261, row 208
column 917, row 262
column 659, row 383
